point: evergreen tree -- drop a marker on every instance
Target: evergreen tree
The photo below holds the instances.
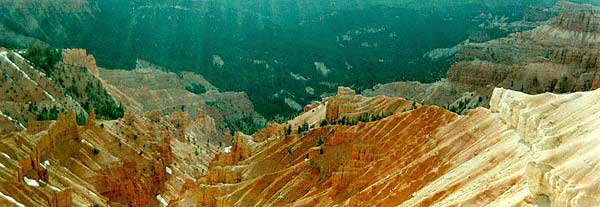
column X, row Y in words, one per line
column 324, row 123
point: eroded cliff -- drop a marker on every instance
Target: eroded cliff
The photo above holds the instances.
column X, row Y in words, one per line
column 518, row 153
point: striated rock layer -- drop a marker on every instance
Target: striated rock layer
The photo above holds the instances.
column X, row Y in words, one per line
column 526, row 150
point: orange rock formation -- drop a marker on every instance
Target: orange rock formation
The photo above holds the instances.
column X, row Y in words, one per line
column 518, row 153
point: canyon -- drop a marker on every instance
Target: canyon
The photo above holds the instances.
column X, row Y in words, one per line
column 515, row 122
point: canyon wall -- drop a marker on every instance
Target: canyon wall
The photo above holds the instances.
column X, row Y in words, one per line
column 560, row 56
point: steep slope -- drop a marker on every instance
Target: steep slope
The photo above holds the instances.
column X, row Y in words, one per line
column 24, row 22
column 29, row 92
column 129, row 161
column 135, row 161
column 518, row 153
column 55, row 153
column 559, row 57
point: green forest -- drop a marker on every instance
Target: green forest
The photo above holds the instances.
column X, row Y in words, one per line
column 276, row 51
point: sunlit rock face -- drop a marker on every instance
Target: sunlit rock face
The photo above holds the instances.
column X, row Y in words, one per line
column 527, row 150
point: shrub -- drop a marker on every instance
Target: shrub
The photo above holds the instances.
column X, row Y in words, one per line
column 196, row 88
column 304, row 127
column 320, row 142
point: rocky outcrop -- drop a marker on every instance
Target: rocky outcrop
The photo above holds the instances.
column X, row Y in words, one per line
column 31, row 94
column 79, row 57
column 347, row 104
column 350, row 107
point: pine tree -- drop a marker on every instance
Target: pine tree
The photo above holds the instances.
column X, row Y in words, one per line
column 323, row 123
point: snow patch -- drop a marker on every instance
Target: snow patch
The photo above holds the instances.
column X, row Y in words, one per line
column 346, row 37
column 348, row 66
column 54, row 188
column 299, row 77
column 310, row 90
column 227, row 149
column 169, row 170
column 293, row 104
column 31, row 182
column 321, row 67
column 93, row 194
column 218, row 61
column 259, row 62
column 2, row 166
column 161, row 200
column 50, row 96
column 11, row 199
column 369, row 45
column 13, row 120
column 75, row 101
column 5, row 155
column 29, row 64
column 83, row 141
column 182, row 8
column 3, row 55
column 45, row 163
column 440, row 53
